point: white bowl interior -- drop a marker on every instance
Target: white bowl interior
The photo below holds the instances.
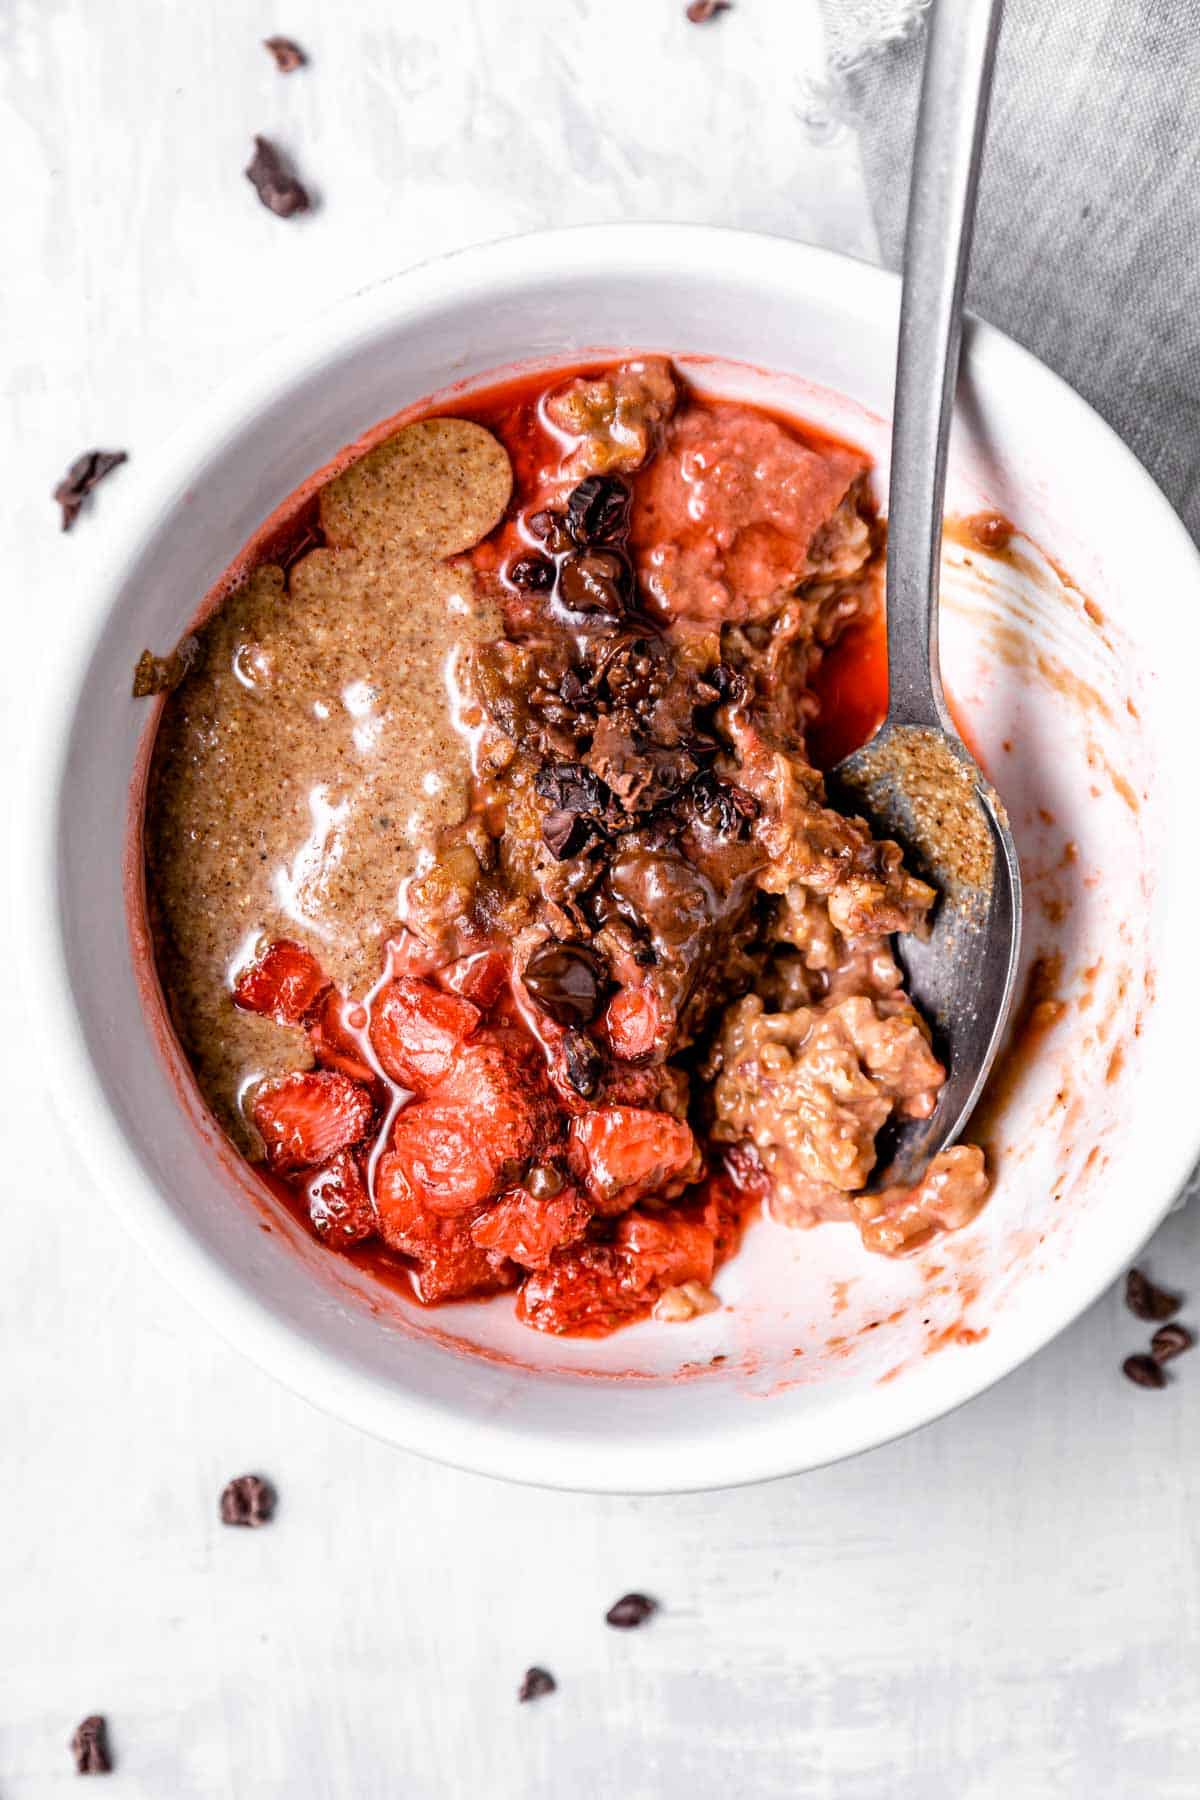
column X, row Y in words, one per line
column 1072, row 676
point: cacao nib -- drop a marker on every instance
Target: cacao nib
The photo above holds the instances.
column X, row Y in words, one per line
column 725, row 810
column 89, row 1746
column 82, row 476
column 1143, row 1371
column 730, row 685
column 535, row 1683
column 1169, row 1341
column 274, row 183
column 584, row 1064
column 567, row 980
column 1145, row 1301
column 572, row 787
column 699, row 12
column 598, row 510
column 595, row 581
column 247, row 1500
column 550, row 528
column 288, row 55
column 630, row 1611
column 532, row 574
column 567, row 834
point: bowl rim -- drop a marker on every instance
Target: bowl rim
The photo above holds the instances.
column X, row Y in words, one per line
column 439, row 1431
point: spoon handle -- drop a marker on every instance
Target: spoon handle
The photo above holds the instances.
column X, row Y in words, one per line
column 959, row 56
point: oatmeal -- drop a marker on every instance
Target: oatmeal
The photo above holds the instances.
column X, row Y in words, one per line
column 498, row 903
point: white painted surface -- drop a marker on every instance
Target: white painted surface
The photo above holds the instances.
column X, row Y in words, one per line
column 1005, row 1604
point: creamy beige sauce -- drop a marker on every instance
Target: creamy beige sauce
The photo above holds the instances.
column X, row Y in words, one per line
column 305, row 769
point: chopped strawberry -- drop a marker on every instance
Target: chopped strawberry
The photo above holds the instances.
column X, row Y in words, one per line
column 632, row 1022
column 589, row 1289
column 305, row 1118
column 416, row 1030
column 496, row 1080
column 623, row 1153
column 449, row 1263
column 338, row 1036
column 481, row 977
column 528, row 1229
column 338, row 1203
column 284, row 984
column 444, row 1157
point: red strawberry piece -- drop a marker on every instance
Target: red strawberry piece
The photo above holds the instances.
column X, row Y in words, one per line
column 416, row 1030
column 284, row 984
column 667, row 1248
column 449, row 1263
column 527, row 1229
column 623, row 1153
column 305, row 1118
column 444, row 1158
column 338, row 1036
column 497, row 1082
column 338, row 1203
column 632, row 1023
column 482, row 977
column 583, row 1290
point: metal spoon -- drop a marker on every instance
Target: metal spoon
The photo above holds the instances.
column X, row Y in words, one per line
column 916, row 781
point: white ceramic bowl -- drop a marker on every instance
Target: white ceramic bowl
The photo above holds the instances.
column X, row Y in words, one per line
column 1079, row 690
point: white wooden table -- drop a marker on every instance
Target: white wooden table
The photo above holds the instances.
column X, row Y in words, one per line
column 1005, row 1605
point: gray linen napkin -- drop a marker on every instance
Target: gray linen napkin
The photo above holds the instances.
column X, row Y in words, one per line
column 1087, row 246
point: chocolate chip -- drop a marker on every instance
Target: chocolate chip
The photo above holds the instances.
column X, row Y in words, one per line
column 567, row 981
column 584, row 1064
column 1145, row 1301
column 566, row 834
column 544, row 1181
column 535, row 1683
column 247, row 1500
column 699, row 12
column 161, row 674
column 1143, row 1371
column 274, row 183
column 572, row 787
column 1169, row 1341
column 630, row 1611
column 89, row 1746
column 531, row 574
column 288, row 55
column 82, row 476
column 598, row 510
column 595, row 581
column 550, row 528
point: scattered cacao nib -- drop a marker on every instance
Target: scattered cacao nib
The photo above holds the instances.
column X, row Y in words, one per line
column 567, row 980
column 584, row 1064
column 1169, row 1341
column 598, row 510
column 1145, row 1301
column 274, row 183
column 535, row 1683
column 595, row 581
column 630, row 1611
column 551, row 529
column 544, row 1181
column 1143, row 1371
column 89, row 1746
column 247, row 1500
column 82, row 476
column 699, row 12
column 288, row 55
column 572, row 787
column 532, row 574
column 162, row 674
column 567, row 834
column 730, row 685
column 721, row 807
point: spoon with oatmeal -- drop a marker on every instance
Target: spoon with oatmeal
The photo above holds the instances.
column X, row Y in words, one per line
column 916, row 781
